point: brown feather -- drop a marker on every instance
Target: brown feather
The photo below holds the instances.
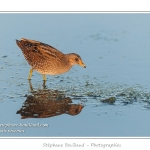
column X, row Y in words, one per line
column 46, row 59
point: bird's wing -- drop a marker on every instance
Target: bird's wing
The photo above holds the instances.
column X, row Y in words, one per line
column 39, row 49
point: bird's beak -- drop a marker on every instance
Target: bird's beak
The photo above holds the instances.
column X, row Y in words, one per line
column 82, row 64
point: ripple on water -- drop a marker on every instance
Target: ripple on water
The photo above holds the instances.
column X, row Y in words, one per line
column 108, row 93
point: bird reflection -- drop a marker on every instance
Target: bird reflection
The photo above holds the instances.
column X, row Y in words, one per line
column 46, row 103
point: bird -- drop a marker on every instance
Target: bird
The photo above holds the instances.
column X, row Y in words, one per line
column 46, row 59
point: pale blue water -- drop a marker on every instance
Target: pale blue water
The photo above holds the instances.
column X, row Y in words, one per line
column 115, row 49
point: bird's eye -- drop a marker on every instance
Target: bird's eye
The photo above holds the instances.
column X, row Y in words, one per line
column 76, row 59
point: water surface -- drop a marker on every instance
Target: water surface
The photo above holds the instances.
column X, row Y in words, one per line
column 115, row 49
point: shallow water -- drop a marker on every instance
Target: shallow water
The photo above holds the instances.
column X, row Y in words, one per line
column 115, row 49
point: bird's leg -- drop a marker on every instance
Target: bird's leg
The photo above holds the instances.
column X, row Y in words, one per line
column 44, row 84
column 30, row 74
column 30, row 84
column 44, row 77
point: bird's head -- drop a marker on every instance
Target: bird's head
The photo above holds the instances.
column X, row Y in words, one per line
column 75, row 59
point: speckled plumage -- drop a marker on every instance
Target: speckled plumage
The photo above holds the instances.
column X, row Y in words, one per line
column 45, row 59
